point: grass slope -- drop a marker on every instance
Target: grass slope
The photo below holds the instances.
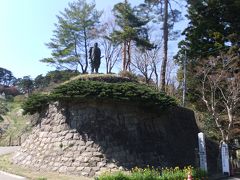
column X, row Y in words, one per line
column 15, row 125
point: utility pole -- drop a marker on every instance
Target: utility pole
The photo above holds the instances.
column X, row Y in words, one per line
column 184, row 79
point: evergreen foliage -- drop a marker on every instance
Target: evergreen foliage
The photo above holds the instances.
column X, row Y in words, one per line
column 89, row 89
column 211, row 46
column 35, row 103
column 214, row 25
column 75, row 28
column 56, row 76
column 132, row 30
column 6, row 77
column 132, row 26
column 213, row 30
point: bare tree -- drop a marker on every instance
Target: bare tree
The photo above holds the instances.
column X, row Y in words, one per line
column 171, row 79
column 220, row 90
column 146, row 62
column 112, row 54
column 112, row 49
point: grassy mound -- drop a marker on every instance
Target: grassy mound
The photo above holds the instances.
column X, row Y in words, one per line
column 99, row 88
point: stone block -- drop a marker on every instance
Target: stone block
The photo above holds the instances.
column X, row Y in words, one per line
column 71, row 169
column 111, row 165
column 98, row 154
column 65, row 127
column 95, row 159
column 63, row 169
column 64, row 132
column 84, row 173
column 47, row 128
column 92, row 163
column 43, row 134
column 89, row 149
column 89, row 143
column 76, row 163
column 69, row 136
column 87, row 154
column 101, row 164
column 82, row 143
column 69, row 154
column 56, row 129
column 76, row 136
column 79, row 168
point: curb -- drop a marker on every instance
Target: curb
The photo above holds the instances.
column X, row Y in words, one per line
column 12, row 175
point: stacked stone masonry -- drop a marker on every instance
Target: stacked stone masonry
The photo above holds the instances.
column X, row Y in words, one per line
column 89, row 138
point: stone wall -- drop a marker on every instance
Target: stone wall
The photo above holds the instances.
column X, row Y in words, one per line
column 87, row 138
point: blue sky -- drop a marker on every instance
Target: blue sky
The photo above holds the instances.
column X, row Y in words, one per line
column 26, row 25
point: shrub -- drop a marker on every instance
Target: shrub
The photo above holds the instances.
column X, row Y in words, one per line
column 100, row 90
column 127, row 91
column 35, row 103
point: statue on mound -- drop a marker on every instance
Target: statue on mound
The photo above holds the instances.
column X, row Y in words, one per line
column 95, row 57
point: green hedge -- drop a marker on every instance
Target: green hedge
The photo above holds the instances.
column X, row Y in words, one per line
column 85, row 89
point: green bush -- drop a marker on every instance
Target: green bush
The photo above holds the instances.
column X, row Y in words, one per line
column 35, row 103
column 100, row 90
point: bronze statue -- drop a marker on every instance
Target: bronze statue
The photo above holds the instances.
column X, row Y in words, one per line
column 95, row 57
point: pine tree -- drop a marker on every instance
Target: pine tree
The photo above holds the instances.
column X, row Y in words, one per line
column 74, row 31
column 163, row 13
column 132, row 30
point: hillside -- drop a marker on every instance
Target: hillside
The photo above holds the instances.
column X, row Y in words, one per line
column 96, row 123
column 13, row 125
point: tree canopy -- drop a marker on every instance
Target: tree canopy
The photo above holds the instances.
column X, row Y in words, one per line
column 6, row 77
column 75, row 29
column 211, row 47
column 132, row 29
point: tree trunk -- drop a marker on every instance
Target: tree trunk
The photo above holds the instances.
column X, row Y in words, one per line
column 124, row 55
column 165, row 47
column 86, row 52
column 128, row 56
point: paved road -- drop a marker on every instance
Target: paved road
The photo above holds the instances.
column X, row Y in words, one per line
column 4, row 175
column 9, row 149
column 7, row 176
column 237, row 177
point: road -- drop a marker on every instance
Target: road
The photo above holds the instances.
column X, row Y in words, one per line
column 9, row 149
column 7, row 176
column 236, row 177
column 4, row 175
column 232, row 178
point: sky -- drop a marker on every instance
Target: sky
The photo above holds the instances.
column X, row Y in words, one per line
column 26, row 25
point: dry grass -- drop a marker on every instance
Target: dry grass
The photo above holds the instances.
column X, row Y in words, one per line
column 7, row 166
